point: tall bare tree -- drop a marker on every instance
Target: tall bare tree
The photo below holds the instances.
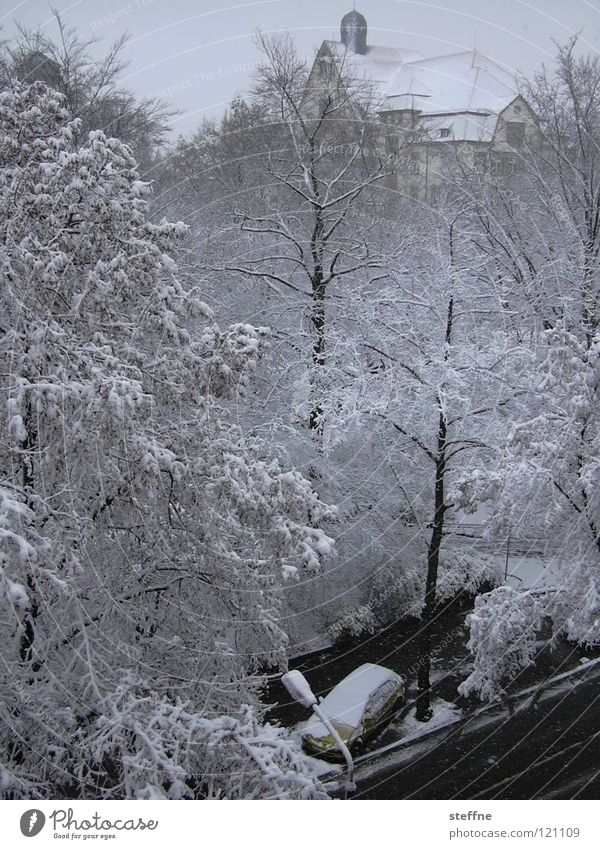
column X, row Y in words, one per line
column 91, row 87
column 313, row 231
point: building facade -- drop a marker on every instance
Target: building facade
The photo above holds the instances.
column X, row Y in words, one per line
column 461, row 107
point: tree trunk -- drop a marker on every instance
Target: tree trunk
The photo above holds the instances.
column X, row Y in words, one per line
column 318, row 310
column 318, row 352
column 423, row 706
column 28, row 446
column 423, row 711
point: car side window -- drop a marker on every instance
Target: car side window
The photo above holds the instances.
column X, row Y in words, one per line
column 378, row 700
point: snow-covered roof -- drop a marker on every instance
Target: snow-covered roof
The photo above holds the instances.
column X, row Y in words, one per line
column 462, row 82
column 377, row 64
column 476, row 127
column 467, row 85
column 347, row 701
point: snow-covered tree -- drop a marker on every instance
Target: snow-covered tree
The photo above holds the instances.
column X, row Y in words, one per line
column 439, row 395
column 307, row 245
column 144, row 539
column 549, row 470
column 542, row 238
column 91, row 87
column 283, row 246
column 503, row 634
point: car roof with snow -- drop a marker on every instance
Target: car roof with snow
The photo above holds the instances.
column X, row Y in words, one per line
column 347, row 702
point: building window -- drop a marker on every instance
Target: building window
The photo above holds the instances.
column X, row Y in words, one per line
column 503, row 165
column 392, row 143
column 481, row 160
column 515, row 133
column 413, row 163
column 444, row 132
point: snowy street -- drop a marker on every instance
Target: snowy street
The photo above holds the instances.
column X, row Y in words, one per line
column 545, row 742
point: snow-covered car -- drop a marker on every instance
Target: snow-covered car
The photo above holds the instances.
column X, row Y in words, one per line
column 359, row 708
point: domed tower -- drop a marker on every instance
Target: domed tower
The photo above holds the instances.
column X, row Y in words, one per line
column 354, row 32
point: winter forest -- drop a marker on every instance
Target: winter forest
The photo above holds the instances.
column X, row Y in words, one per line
column 267, row 407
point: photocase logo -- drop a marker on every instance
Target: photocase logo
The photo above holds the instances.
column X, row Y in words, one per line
column 32, row 822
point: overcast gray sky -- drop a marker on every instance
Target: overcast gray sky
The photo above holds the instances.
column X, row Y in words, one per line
column 198, row 53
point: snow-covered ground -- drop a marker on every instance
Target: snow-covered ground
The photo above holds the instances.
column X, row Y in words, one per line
column 444, row 713
column 526, row 569
column 535, row 571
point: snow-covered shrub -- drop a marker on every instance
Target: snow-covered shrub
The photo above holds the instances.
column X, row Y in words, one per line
column 399, row 592
column 503, row 628
column 466, row 573
column 398, row 586
column 549, row 473
column 353, row 624
column 144, row 539
column 575, row 610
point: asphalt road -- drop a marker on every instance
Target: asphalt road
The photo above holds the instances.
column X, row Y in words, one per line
column 541, row 744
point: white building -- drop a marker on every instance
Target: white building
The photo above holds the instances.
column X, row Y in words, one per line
column 461, row 104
